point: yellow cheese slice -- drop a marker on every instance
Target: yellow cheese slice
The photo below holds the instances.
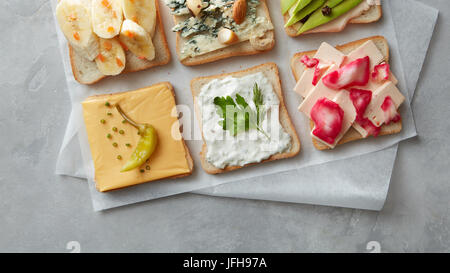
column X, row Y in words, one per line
column 152, row 105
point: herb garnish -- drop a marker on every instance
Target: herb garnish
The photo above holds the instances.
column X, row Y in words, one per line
column 236, row 114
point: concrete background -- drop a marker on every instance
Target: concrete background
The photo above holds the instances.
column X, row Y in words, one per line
column 42, row 212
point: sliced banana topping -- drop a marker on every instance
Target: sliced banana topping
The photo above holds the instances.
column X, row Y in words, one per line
column 137, row 40
column 111, row 59
column 142, row 12
column 74, row 19
column 107, row 17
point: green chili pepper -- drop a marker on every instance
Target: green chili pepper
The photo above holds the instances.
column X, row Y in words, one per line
column 337, row 9
column 287, row 4
column 304, row 12
column 145, row 146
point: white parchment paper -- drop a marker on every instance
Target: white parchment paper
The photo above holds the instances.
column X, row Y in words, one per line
column 336, row 183
column 180, row 77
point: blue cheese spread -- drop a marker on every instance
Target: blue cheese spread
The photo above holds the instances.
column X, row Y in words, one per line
column 199, row 34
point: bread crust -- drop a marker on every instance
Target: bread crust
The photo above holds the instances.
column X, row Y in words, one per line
column 292, row 31
column 133, row 63
column 351, row 134
column 267, row 68
column 239, row 49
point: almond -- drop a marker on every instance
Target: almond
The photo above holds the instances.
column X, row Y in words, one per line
column 239, row 11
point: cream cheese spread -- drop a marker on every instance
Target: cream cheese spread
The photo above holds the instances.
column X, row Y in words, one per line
column 224, row 149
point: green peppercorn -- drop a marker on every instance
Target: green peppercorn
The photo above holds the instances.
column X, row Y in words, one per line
column 119, row 157
column 121, row 132
column 102, row 121
column 107, row 104
column 115, row 144
column 109, row 136
column 114, row 129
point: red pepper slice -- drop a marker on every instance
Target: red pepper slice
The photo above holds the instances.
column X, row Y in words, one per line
column 356, row 73
column 381, row 72
column 361, row 99
column 371, row 129
column 328, row 117
column 309, row 62
column 390, row 111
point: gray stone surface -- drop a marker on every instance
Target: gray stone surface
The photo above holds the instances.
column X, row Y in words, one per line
column 42, row 212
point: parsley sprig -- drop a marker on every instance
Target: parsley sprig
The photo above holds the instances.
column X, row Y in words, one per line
column 237, row 116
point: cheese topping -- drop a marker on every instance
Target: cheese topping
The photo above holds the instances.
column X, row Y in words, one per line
column 199, row 35
column 224, row 149
column 151, row 105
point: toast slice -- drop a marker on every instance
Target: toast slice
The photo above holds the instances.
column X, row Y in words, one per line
column 122, row 96
column 86, row 72
column 270, row 70
column 239, row 49
column 373, row 14
column 351, row 135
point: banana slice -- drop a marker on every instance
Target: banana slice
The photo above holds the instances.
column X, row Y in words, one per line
column 107, row 17
column 137, row 40
column 142, row 12
column 111, row 60
column 74, row 19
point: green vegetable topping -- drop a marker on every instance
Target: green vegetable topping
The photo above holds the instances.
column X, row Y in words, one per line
column 102, row 121
column 142, row 170
column 128, row 145
column 107, row 104
column 119, row 157
column 114, row 129
column 109, row 114
column 115, row 144
column 124, row 121
column 236, row 114
column 336, row 8
column 109, row 136
column 121, row 132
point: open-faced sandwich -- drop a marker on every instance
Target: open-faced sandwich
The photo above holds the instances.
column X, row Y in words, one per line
column 315, row 16
column 210, row 30
column 349, row 91
column 243, row 119
column 135, row 137
column 109, row 37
